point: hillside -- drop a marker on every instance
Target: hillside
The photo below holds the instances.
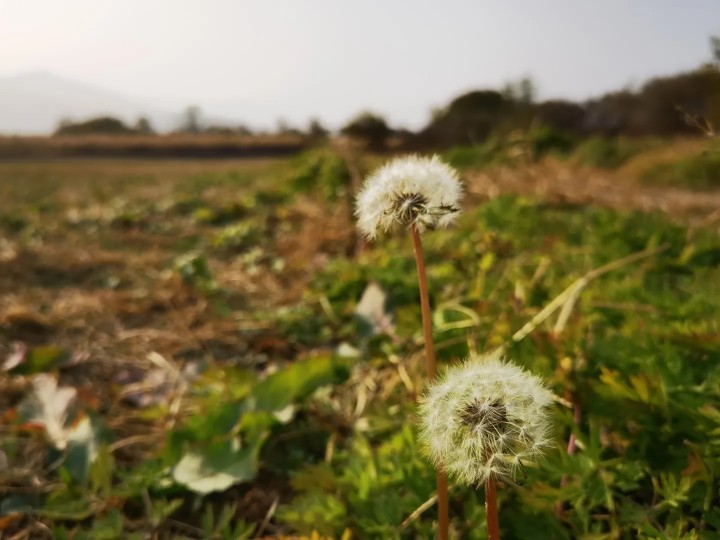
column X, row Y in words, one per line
column 34, row 103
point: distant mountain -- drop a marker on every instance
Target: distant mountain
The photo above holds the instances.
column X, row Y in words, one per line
column 34, row 103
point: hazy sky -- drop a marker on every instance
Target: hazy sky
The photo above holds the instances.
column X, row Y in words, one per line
column 266, row 59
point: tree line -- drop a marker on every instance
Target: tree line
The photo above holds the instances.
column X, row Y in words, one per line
column 683, row 104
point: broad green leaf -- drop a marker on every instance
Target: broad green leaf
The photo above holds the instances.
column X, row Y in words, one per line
column 219, row 466
column 297, row 381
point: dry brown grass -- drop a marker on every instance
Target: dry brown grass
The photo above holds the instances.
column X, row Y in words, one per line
column 175, row 145
column 567, row 183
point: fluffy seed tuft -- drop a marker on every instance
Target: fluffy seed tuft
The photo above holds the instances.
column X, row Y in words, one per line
column 413, row 189
column 485, row 417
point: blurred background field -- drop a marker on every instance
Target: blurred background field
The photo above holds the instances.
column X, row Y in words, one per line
column 195, row 341
column 157, row 292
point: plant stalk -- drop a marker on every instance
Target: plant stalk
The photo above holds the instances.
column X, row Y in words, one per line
column 491, row 511
column 431, row 362
column 559, row 506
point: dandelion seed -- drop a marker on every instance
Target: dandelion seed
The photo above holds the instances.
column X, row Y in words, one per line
column 485, row 419
column 410, row 190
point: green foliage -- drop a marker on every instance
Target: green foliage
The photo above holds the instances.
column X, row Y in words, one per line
column 548, row 140
column 320, row 172
column 296, row 382
column 225, row 526
column 515, row 148
column 303, row 324
column 194, row 270
column 477, row 156
column 221, row 449
column 104, row 125
column 610, row 153
column 643, row 339
column 369, row 489
column 220, row 216
column 469, row 119
column 205, row 454
column 701, row 171
column 369, row 128
column 218, row 466
column 12, row 223
column 315, row 511
column 241, row 235
column 39, row 360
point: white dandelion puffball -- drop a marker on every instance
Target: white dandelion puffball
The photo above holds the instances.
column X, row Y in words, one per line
column 484, row 418
column 413, row 189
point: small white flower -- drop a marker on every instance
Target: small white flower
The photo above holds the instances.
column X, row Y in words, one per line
column 408, row 190
column 485, row 418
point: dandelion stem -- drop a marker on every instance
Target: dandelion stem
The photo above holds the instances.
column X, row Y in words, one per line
column 424, row 305
column 442, row 489
column 491, row 511
column 443, row 506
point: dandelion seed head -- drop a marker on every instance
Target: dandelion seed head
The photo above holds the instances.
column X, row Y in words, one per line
column 408, row 190
column 485, row 417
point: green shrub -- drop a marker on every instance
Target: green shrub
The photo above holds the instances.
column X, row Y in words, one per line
column 549, row 140
column 613, row 152
column 466, row 157
column 320, row 172
column 194, row 270
column 238, row 236
column 105, row 125
column 369, row 128
column 371, row 489
column 700, row 171
column 517, row 145
column 494, row 151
